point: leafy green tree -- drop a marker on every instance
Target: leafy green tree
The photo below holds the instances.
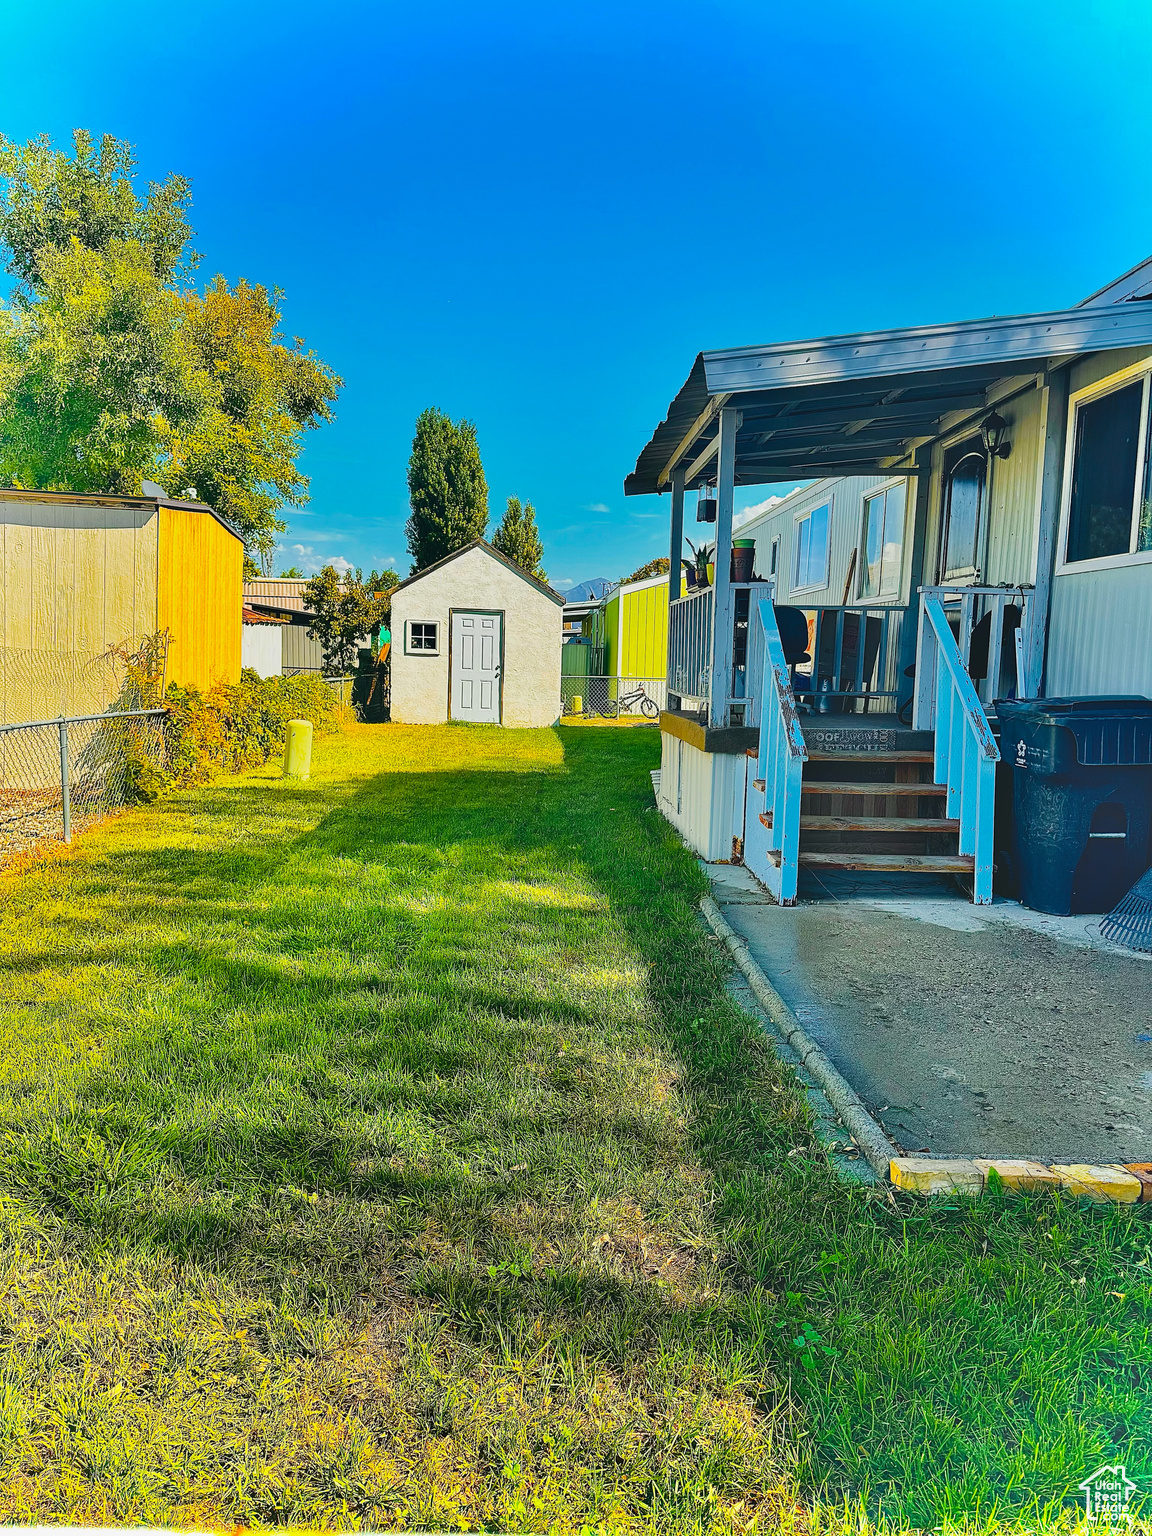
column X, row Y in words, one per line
column 347, row 610
column 517, row 538
column 446, row 488
column 113, row 370
column 258, row 397
column 293, row 573
column 92, row 366
column 51, row 198
column 657, row 567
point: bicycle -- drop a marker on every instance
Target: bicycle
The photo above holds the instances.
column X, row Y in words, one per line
column 637, row 698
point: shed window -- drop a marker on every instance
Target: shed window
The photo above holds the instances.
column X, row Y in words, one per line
column 423, row 635
column 812, row 548
column 1110, row 498
column 883, row 541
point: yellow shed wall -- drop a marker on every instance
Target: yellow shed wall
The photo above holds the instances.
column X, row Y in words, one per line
column 75, row 579
column 200, row 588
column 646, row 631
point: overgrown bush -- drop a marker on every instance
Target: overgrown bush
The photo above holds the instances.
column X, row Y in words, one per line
column 233, row 726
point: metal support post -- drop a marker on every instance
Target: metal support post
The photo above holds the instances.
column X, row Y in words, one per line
column 676, row 545
column 722, row 572
column 65, row 785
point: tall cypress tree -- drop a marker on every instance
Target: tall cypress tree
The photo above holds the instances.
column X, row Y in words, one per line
column 517, row 537
column 446, row 488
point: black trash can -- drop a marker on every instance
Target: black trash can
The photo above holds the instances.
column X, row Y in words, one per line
column 1082, row 798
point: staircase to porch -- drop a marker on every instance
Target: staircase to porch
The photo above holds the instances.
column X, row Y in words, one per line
column 859, row 796
column 865, row 809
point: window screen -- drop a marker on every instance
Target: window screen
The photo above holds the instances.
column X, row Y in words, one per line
column 1104, row 475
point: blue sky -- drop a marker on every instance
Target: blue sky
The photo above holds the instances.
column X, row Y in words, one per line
column 535, row 216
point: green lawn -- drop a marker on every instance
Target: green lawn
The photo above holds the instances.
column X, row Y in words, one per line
column 386, row 1151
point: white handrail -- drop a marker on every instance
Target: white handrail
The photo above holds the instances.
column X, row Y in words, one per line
column 780, row 762
column 965, row 753
column 971, row 606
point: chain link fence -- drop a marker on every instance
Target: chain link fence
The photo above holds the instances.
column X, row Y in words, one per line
column 57, row 776
column 612, row 697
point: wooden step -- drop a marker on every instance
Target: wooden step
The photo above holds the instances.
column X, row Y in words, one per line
column 836, row 787
column 877, row 824
column 871, row 757
column 912, row 863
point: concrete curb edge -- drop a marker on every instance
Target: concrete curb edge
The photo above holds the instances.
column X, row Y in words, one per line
column 865, row 1131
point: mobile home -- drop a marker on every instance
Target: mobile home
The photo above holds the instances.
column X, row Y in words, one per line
column 982, row 527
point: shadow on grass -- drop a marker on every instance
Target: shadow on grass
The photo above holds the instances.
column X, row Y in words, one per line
column 466, row 1036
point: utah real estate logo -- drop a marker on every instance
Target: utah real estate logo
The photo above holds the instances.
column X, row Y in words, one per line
column 1107, row 1494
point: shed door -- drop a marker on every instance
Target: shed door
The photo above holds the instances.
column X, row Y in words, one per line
column 476, row 653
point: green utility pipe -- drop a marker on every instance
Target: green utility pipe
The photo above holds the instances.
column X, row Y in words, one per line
column 298, row 750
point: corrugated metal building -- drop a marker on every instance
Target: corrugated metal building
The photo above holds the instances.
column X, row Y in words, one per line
column 282, row 597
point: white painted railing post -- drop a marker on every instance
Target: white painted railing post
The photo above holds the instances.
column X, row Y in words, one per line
column 781, row 762
column 965, row 750
column 722, row 570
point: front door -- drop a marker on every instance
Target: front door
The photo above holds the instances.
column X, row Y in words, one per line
column 476, row 653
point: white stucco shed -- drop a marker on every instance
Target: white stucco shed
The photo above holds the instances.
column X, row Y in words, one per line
column 476, row 638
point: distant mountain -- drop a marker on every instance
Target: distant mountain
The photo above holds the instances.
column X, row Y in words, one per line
column 589, row 591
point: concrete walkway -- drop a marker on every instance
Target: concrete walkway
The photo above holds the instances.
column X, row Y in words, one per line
column 973, row 1031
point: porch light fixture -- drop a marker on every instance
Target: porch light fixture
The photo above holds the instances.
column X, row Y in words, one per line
column 706, row 504
column 994, row 433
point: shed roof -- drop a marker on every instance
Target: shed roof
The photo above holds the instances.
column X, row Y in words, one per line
column 87, row 499
column 481, row 544
column 843, row 405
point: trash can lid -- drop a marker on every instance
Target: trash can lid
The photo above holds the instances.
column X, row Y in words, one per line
column 1108, row 732
column 1059, row 709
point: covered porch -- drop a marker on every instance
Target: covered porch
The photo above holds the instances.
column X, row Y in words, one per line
column 919, row 676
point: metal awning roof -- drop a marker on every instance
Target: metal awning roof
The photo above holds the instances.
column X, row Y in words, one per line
column 849, row 405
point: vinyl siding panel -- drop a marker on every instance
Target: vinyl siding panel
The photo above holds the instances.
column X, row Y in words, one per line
column 1013, row 505
column 846, row 497
column 1100, row 638
column 301, row 654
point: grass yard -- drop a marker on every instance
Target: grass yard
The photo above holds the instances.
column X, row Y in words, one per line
column 386, row 1151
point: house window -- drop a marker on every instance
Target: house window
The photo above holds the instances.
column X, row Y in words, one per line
column 774, row 558
column 883, row 541
column 1110, row 495
column 965, row 474
column 812, row 530
column 423, row 636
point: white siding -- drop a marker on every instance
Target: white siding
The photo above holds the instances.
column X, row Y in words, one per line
column 1100, row 632
column 1100, row 639
column 262, row 648
column 846, row 497
column 533, row 628
column 1014, row 509
column 702, row 795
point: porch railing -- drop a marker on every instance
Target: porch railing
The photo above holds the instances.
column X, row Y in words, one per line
column 780, row 763
column 690, row 645
column 691, row 621
column 991, row 640
column 965, row 752
column 855, row 660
